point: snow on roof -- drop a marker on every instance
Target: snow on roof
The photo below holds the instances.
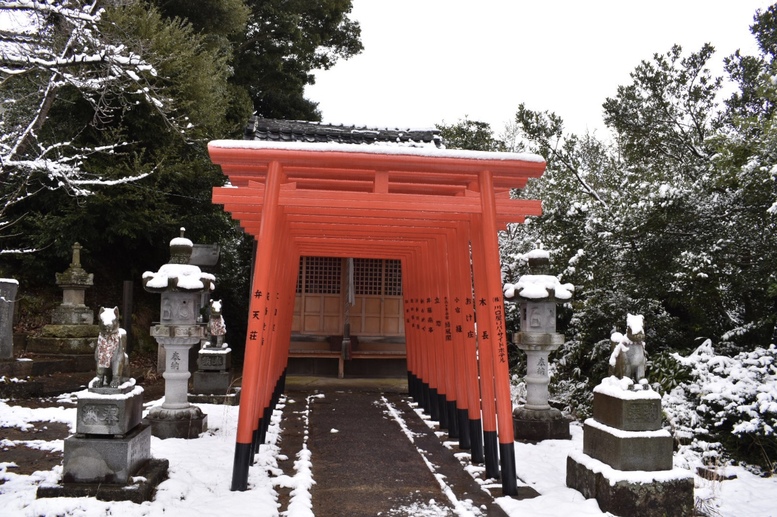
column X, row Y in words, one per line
column 538, row 253
column 376, row 148
column 181, row 276
column 537, row 287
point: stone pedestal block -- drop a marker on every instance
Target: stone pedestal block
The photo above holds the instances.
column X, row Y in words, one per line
column 106, row 460
column 214, row 359
column 18, row 368
column 72, row 315
column 640, row 411
column 141, row 489
column 535, row 426
column 628, row 450
column 74, row 342
column 62, row 346
column 109, row 413
column 185, row 423
column 216, row 383
column 656, row 494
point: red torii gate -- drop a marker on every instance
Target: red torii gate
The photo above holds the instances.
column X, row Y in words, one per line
column 436, row 211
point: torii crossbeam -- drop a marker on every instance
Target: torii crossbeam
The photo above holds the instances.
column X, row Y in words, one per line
column 438, row 212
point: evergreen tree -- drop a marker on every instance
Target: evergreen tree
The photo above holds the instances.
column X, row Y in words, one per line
column 747, row 158
column 284, row 42
column 470, row 134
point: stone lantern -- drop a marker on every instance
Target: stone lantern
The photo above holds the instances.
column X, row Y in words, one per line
column 182, row 287
column 537, row 295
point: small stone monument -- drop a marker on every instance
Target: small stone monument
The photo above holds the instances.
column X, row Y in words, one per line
column 8, row 289
column 626, row 462
column 109, row 456
column 212, row 382
column 537, row 295
column 182, row 286
column 72, row 334
column 10, row 368
column 74, row 282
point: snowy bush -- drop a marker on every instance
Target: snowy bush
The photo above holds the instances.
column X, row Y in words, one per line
column 730, row 400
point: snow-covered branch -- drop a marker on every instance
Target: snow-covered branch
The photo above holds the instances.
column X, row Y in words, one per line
column 31, row 6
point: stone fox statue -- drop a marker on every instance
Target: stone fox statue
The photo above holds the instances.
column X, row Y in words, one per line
column 628, row 356
column 216, row 325
column 112, row 362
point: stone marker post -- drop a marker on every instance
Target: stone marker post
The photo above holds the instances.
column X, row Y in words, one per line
column 8, row 290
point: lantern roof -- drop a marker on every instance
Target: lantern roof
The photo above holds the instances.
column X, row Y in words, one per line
column 178, row 274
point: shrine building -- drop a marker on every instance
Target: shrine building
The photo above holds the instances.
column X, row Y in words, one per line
column 376, row 249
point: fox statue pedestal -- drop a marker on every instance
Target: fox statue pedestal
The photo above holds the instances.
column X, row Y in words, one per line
column 626, row 462
column 109, row 457
column 212, row 382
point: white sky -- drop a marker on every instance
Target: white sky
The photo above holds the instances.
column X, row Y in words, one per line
column 427, row 62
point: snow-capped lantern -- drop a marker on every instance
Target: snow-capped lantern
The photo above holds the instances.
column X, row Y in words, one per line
column 181, row 285
column 537, row 295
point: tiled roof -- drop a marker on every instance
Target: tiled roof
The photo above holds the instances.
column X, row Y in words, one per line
column 274, row 130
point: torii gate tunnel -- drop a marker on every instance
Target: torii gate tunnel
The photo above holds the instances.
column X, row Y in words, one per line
column 436, row 211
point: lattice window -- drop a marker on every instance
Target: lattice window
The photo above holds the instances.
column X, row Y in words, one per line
column 300, row 274
column 368, row 276
column 392, row 280
column 321, row 275
column 377, row 277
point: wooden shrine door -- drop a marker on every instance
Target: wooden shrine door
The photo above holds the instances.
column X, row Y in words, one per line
column 323, row 292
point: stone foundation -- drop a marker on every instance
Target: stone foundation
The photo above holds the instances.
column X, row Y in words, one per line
column 185, row 423
column 211, row 383
column 666, row 493
column 106, row 459
column 76, row 341
column 535, row 426
column 140, row 490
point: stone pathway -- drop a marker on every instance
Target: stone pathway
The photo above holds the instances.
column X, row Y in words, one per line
column 372, row 454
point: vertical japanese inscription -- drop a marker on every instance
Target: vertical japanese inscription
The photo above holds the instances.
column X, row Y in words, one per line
column 499, row 329
column 258, row 309
column 448, row 335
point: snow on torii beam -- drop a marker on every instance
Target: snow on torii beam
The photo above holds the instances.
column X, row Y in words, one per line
column 273, row 182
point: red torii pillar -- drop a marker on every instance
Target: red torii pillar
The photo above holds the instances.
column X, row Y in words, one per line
column 275, row 181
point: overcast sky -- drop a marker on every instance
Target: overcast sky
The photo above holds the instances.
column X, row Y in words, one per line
column 427, row 62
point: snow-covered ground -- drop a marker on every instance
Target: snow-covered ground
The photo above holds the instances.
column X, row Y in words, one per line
column 201, row 471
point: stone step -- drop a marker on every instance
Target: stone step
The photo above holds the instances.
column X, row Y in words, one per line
column 61, row 345
column 64, row 363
